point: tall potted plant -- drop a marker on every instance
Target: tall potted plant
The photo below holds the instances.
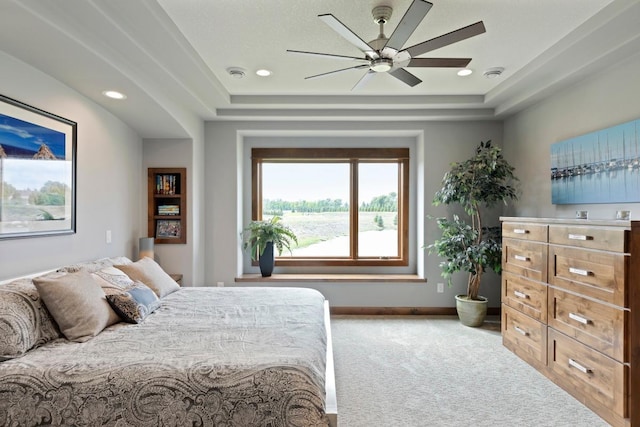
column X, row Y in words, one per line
column 260, row 237
column 467, row 245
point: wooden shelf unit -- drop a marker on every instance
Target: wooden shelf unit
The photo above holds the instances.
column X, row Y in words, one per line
column 571, row 308
column 167, row 205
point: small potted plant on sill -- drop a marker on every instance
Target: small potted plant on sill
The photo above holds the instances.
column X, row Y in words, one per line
column 260, row 237
column 467, row 245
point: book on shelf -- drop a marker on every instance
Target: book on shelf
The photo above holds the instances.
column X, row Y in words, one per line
column 166, row 184
column 168, row 209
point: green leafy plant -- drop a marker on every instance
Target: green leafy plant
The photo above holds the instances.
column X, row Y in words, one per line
column 258, row 233
column 477, row 183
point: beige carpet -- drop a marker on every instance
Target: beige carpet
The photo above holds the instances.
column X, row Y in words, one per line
column 423, row 371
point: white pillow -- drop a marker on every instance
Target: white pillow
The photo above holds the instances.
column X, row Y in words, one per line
column 151, row 274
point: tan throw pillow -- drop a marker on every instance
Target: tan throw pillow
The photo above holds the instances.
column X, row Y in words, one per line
column 151, row 274
column 77, row 303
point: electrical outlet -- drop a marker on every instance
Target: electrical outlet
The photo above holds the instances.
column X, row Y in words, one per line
column 108, row 236
column 440, row 288
column 220, row 284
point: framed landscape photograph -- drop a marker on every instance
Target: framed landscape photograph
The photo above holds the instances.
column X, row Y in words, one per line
column 37, row 172
column 168, row 229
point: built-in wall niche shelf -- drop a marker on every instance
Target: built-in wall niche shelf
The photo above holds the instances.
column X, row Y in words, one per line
column 167, row 205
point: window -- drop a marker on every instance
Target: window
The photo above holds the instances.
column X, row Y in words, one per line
column 348, row 207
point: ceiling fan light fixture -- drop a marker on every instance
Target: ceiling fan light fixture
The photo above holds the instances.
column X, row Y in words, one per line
column 381, row 65
column 465, row 72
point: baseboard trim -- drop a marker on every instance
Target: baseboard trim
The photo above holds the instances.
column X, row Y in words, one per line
column 404, row 311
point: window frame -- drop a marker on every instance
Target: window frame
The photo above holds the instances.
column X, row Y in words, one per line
column 353, row 156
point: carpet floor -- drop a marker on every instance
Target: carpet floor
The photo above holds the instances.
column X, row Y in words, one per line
column 424, row 371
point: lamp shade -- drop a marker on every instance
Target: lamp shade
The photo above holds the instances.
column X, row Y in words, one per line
column 146, row 248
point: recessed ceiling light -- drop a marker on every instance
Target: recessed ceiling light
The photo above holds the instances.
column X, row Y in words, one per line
column 263, row 72
column 236, row 72
column 465, row 72
column 114, row 94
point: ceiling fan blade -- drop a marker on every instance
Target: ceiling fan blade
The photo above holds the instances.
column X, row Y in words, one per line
column 408, row 24
column 337, row 71
column 439, row 62
column 349, row 35
column 446, row 39
column 405, row 76
column 328, row 55
column 364, row 80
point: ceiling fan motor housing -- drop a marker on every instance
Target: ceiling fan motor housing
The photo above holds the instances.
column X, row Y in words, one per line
column 381, row 14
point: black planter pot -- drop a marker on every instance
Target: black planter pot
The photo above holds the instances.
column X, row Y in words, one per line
column 267, row 260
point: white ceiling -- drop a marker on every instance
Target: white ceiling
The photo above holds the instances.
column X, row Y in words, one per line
column 171, row 56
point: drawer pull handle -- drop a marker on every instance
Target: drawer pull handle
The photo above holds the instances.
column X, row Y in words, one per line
column 520, row 294
column 579, row 318
column 579, row 237
column 579, row 271
column 579, row 367
column 521, row 258
column 521, row 331
column 520, row 231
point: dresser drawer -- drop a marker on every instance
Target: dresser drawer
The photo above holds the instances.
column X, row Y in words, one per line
column 596, row 274
column 599, row 381
column 525, row 295
column 606, row 239
column 525, row 336
column 528, row 259
column 600, row 326
column 525, row 231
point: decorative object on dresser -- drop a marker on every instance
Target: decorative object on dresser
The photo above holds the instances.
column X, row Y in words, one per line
column 571, row 308
column 167, row 205
column 477, row 183
column 260, row 237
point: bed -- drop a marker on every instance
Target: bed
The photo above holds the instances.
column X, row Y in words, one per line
column 205, row 356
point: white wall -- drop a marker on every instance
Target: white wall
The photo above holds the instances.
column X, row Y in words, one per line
column 601, row 101
column 437, row 145
column 109, row 155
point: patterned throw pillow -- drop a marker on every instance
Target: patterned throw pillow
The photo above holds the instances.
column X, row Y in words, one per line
column 135, row 304
column 113, row 280
column 95, row 265
column 25, row 323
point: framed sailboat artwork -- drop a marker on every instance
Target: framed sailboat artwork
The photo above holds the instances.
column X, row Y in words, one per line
column 598, row 167
column 37, row 172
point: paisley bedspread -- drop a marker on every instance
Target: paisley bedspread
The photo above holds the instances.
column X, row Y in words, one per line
column 207, row 357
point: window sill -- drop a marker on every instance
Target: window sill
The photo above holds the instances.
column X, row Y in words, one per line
column 333, row 278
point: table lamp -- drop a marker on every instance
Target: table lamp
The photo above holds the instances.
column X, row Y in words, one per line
column 146, row 248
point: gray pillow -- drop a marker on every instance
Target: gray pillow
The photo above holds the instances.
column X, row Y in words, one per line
column 77, row 303
column 151, row 274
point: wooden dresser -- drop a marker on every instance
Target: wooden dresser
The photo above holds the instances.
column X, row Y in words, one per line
column 571, row 308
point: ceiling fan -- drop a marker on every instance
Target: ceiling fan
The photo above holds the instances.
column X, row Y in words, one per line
column 385, row 54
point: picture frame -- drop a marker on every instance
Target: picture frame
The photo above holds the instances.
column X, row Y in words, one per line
column 37, row 172
column 168, row 229
column 598, row 167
